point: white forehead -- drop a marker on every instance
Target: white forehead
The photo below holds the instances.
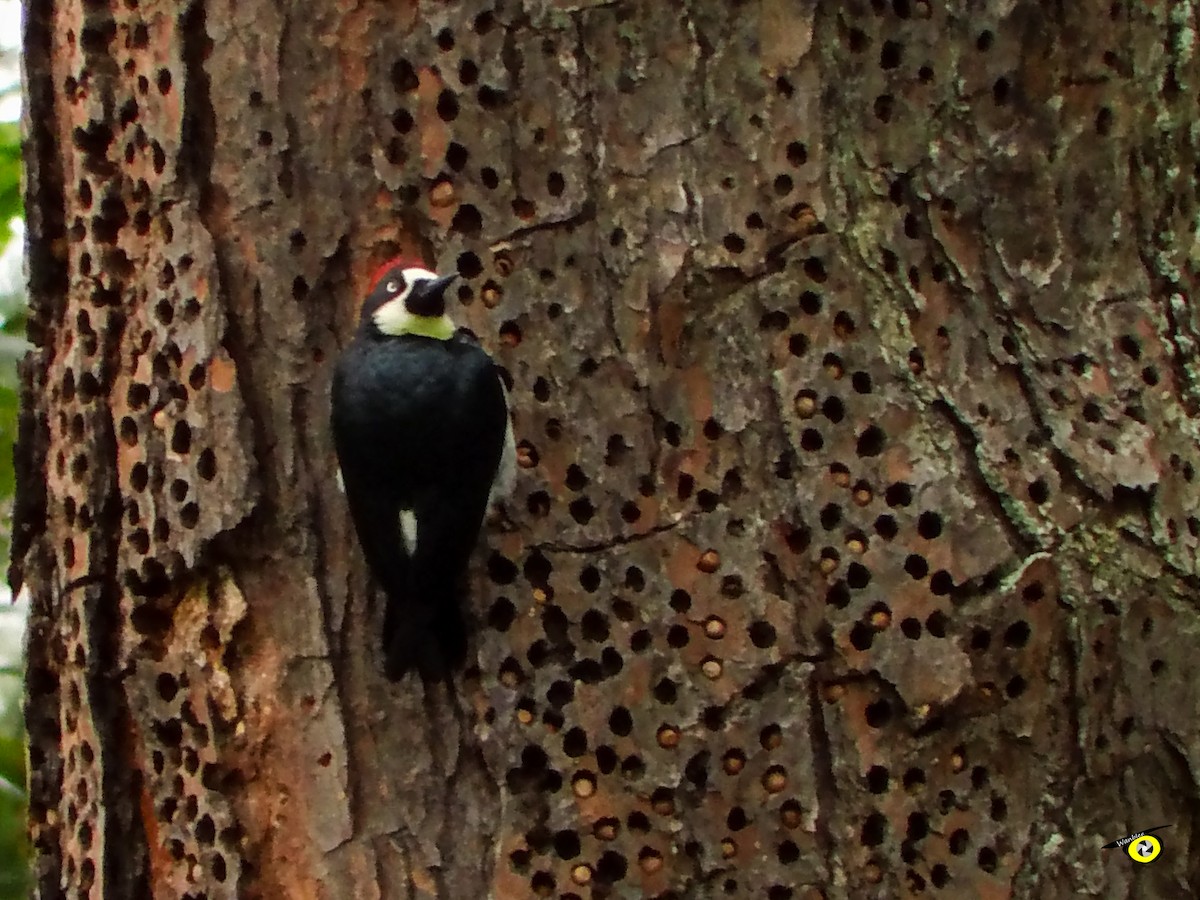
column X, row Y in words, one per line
column 411, row 276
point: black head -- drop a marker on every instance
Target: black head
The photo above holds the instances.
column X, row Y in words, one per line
column 406, row 298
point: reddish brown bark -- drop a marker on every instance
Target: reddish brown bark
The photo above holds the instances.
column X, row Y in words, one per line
column 853, row 363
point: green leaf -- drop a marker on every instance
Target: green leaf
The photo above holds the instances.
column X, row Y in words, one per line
column 8, row 436
column 14, row 851
column 12, row 760
column 10, row 178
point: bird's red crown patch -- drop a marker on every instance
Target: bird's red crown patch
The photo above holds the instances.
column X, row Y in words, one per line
column 401, row 262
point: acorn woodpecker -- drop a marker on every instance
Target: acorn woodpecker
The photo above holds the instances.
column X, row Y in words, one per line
column 424, row 442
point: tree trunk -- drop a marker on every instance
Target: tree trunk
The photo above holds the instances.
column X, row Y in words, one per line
column 854, row 373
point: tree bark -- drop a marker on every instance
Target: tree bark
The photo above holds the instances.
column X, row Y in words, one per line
column 853, row 366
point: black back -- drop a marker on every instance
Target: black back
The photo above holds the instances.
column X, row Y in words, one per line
column 418, row 424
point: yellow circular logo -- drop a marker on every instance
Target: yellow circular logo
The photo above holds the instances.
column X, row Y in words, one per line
column 1145, row 849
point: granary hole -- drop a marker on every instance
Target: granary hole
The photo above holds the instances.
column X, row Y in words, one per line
column 858, row 576
column 576, row 480
column 762, row 634
column 844, row 325
column 189, row 515
column 589, row 579
column 181, row 438
column 467, row 220
column 916, row 566
column 879, row 713
column 197, row 377
column 811, row 440
column 1130, row 346
column 158, row 157
column 206, row 465
column 404, row 76
column 873, row 829
column 884, row 106
column 620, row 722
column 936, row 624
column 510, row 333
column 987, row 859
column 526, row 210
column 774, row 320
column 890, row 55
column 1017, row 634
column 456, row 156
column 814, row 268
column 468, row 72
column 606, row 759
column 941, row 583
column 929, row 525
column 560, row 693
column 581, row 510
column 862, row 636
column 665, row 691
column 1000, row 91
column 468, row 265
column 501, row 569
column 501, row 614
column 870, row 441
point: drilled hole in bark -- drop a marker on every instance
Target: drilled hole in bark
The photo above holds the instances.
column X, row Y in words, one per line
column 582, row 510
column 501, row 614
column 929, row 525
column 467, row 220
column 501, row 569
column 181, row 438
column 206, row 465
column 404, row 76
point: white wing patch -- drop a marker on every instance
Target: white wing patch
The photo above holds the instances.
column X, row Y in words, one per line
column 408, row 530
column 506, row 472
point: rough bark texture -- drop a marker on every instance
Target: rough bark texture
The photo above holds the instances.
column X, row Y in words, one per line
column 854, row 369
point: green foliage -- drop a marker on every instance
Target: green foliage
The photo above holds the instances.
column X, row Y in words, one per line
column 10, row 178
column 12, row 326
column 14, row 877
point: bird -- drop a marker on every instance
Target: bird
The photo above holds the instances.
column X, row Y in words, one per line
column 424, row 442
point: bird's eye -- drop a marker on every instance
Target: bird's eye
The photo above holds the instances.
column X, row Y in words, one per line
column 392, row 287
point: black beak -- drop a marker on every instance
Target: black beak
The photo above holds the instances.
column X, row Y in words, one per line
column 427, row 298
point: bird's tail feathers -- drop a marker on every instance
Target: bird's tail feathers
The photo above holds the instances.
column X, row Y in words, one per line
column 425, row 628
